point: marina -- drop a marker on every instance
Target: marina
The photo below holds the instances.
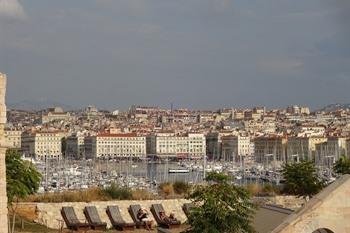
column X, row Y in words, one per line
column 65, row 175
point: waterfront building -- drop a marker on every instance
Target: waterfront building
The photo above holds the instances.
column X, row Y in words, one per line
column 107, row 145
column 191, row 145
column 235, row 146
column 270, row 148
column 330, row 151
column 213, row 147
column 41, row 145
column 303, row 148
column 75, row 147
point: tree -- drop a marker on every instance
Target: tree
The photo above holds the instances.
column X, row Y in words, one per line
column 301, row 179
column 22, row 179
column 342, row 166
column 220, row 207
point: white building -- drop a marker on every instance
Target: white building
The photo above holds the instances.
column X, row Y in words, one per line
column 106, row 145
column 192, row 145
column 13, row 138
column 42, row 144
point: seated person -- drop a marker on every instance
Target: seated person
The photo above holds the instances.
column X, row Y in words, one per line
column 142, row 216
column 167, row 219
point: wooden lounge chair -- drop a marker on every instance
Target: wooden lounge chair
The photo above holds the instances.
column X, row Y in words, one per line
column 117, row 220
column 187, row 208
column 94, row 219
column 133, row 210
column 71, row 220
column 156, row 209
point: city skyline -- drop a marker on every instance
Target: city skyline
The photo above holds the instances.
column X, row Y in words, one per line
column 195, row 54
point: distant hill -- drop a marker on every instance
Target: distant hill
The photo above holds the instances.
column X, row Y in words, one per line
column 334, row 107
column 37, row 105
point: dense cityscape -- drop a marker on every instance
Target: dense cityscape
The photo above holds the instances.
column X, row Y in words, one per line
column 196, row 116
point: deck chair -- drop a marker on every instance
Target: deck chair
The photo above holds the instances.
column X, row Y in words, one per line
column 71, row 220
column 117, row 220
column 156, row 209
column 94, row 219
column 187, row 208
column 133, row 210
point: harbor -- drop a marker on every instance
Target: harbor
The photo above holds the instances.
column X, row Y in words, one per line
column 148, row 174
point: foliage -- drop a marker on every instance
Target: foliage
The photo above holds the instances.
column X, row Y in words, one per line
column 142, row 194
column 181, row 187
column 22, row 177
column 301, row 179
column 268, row 189
column 342, row 166
column 166, row 189
column 217, row 177
column 220, row 207
column 87, row 195
column 115, row 192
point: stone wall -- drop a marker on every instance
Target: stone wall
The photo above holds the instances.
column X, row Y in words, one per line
column 330, row 210
column 3, row 196
column 49, row 214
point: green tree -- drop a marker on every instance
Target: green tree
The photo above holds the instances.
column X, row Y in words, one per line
column 22, row 179
column 342, row 166
column 220, row 207
column 301, row 179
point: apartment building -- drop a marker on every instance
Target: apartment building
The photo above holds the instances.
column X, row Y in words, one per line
column 268, row 149
column 191, row 145
column 235, row 146
column 107, row 145
column 13, row 138
column 330, row 150
column 303, row 148
column 41, row 145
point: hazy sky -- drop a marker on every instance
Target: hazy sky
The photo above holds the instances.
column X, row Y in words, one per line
column 194, row 53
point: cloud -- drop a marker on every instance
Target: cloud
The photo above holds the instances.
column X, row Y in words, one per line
column 280, row 65
column 11, row 9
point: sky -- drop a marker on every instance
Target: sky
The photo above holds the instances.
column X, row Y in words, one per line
column 200, row 54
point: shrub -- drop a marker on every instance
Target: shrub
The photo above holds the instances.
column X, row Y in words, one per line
column 141, row 194
column 166, row 189
column 253, row 189
column 115, row 192
column 181, row 187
